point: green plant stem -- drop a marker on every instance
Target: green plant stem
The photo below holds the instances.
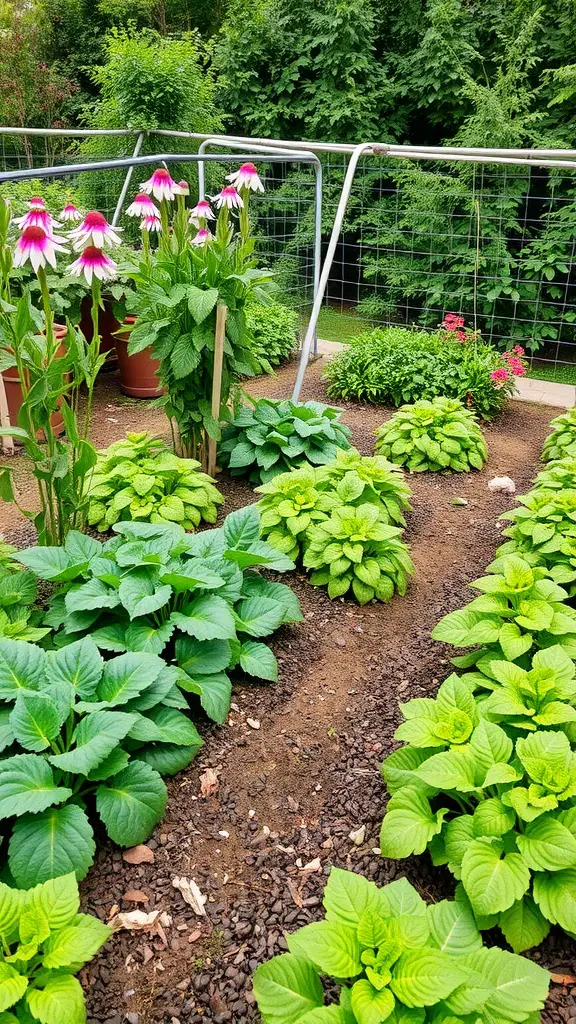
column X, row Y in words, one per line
column 95, row 351
column 165, row 220
column 244, row 220
column 146, row 247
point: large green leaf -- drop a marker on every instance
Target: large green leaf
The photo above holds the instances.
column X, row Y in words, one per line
column 259, row 616
column 96, row 735
column 79, row 665
column 207, row 617
column 168, row 758
column 127, row 677
column 453, row 928
column 555, row 894
column 75, row 943
column 371, row 1006
column 131, row 803
column 21, row 667
column 91, row 596
column 57, row 899
column 426, row 976
column 519, row 986
column 27, row 786
column 198, row 658
column 287, row 988
column 53, row 843
column 546, row 845
column 257, row 659
column 348, row 896
column 331, row 945
column 54, row 564
column 493, row 881
column 12, row 986
column 35, row 720
column 523, row 925
column 61, row 1001
column 214, row 691
column 141, row 596
column 409, row 824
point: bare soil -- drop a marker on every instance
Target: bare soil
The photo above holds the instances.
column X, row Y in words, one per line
column 291, row 791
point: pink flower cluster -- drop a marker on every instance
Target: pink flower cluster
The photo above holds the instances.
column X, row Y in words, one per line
column 515, row 367
column 455, row 324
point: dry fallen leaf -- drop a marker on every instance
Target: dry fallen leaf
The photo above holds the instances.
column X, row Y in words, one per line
column 134, row 921
column 135, row 896
column 563, row 979
column 138, row 855
column 295, row 891
column 313, row 865
column 358, row 835
column 191, row 893
column 195, row 935
column 209, row 782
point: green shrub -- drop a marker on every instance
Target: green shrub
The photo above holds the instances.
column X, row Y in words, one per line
column 404, row 961
column 138, row 478
column 561, row 443
column 294, row 502
column 75, row 727
column 356, row 548
column 278, row 435
column 495, row 802
column 274, row 332
column 558, row 475
column 438, row 435
column 543, row 531
column 196, row 598
column 46, row 941
column 394, row 366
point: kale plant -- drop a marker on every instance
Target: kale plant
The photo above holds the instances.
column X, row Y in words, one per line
column 561, row 443
column 45, row 942
column 78, row 732
column 138, row 478
column 392, row 957
column 275, row 436
column 198, row 598
column 438, row 435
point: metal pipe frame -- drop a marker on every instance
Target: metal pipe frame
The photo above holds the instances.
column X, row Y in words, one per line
column 214, row 141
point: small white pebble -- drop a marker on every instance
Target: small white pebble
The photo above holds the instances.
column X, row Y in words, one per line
column 251, row 813
column 253, row 723
column 224, row 834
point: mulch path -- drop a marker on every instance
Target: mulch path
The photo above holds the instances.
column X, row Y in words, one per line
column 291, row 791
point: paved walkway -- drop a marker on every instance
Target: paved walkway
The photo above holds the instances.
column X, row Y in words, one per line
column 543, row 392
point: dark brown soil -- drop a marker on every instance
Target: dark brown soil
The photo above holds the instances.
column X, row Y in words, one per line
column 291, row 791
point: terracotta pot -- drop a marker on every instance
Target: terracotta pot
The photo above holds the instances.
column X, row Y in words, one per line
column 13, row 389
column 107, row 325
column 138, row 373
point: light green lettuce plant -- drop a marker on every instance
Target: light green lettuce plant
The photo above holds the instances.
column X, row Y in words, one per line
column 357, row 549
column 138, row 478
column 393, row 958
column 359, row 479
column 45, row 942
column 437, row 435
column 561, row 442
column 498, row 811
column 559, row 475
column 543, row 531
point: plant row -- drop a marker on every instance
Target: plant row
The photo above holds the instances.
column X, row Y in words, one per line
column 486, row 778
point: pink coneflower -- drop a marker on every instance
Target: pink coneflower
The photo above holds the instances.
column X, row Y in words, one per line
column 151, row 223
column 94, row 231
column 182, row 188
column 202, row 211
column 39, row 247
column 71, row 214
column 500, row 377
column 160, row 185
column 93, row 263
column 37, row 218
column 203, row 236
column 142, row 206
column 228, row 197
column 246, row 177
column 36, row 203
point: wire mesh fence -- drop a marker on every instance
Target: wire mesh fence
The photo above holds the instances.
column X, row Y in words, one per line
column 494, row 243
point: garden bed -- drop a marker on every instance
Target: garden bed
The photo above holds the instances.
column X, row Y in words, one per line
column 291, row 791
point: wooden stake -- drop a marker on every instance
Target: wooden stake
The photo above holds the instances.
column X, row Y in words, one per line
column 7, row 441
column 221, row 313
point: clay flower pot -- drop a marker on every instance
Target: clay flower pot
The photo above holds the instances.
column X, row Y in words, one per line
column 138, row 373
column 107, row 325
column 13, row 388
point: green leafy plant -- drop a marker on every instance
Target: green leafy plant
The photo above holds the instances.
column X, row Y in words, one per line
column 45, row 942
column 561, row 443
column 498, row 810
column 274, row 332
column 154, row 588
column 394, row 366
column 558, row 475
column 78, row 731
column 543, row 531
column 278, row 435
column 356, row 548
column 294, row 502
column 138, row 478
column 518, row 610
column 18, row 591
column 404, row 961
column 438, row 435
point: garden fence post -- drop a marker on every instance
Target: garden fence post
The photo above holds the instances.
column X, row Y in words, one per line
column 221, row 313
